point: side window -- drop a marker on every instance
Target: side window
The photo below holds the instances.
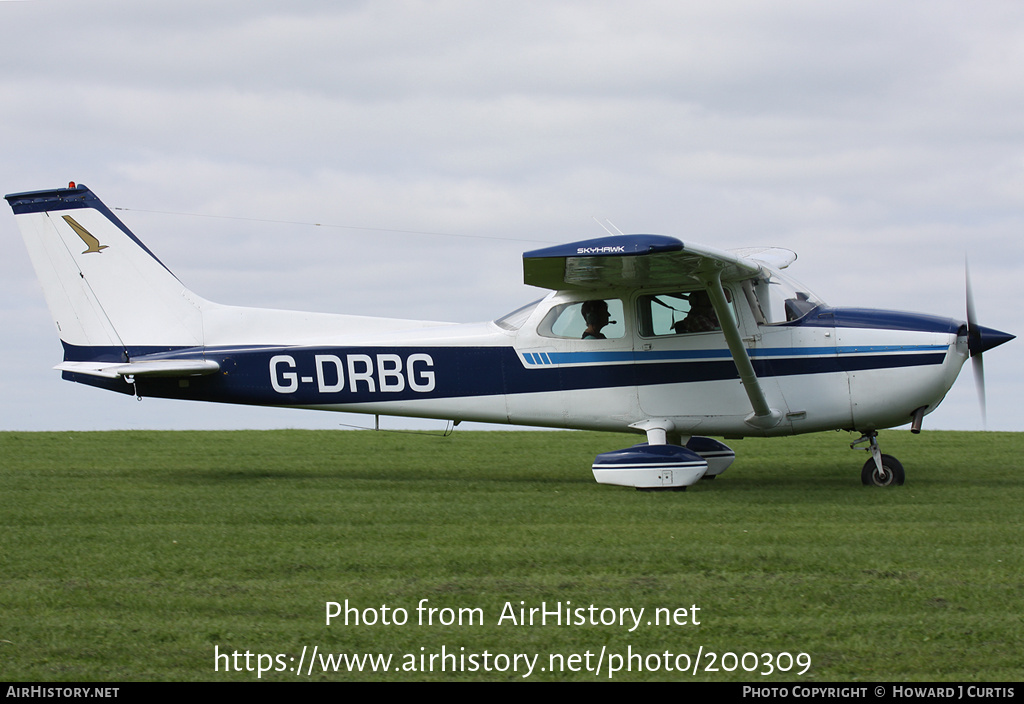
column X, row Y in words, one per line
column 597, row 319
column 677, row 313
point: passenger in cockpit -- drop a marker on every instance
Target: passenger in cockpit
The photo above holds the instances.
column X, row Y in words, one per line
column 701, row 317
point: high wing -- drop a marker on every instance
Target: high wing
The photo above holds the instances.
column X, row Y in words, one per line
column 633, row 261
column 642, row 261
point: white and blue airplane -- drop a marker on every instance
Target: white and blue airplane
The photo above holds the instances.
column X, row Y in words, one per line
column 641, row 333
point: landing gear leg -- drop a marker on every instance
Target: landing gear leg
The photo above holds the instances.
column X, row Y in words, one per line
column 880, row 470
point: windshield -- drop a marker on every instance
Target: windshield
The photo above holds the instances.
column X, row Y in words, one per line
column 783, row 299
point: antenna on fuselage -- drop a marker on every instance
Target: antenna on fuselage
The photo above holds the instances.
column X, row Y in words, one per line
column 617, row 230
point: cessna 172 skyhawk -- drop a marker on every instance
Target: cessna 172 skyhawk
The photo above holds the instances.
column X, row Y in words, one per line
column 641, row 333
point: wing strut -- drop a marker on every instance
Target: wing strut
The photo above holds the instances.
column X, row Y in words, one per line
column 763, row 416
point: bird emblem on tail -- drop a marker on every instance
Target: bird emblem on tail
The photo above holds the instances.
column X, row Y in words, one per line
column 90, row 240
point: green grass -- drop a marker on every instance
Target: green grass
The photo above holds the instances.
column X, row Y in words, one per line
column 132, row 555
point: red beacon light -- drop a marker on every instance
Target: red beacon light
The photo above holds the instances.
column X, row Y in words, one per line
column 71, row 184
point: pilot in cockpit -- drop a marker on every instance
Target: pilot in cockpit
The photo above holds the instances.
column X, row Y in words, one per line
column 595, row 315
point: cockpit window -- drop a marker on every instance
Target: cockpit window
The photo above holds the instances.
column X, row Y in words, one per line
column 598, row 319
column 677, row 313
column 515, row 320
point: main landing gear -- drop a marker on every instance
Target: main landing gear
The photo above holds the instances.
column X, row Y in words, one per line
column 880, row 470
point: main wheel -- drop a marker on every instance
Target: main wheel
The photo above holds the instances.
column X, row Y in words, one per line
column 891, row 475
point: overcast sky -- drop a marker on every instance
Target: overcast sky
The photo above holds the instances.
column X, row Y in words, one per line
column 436, row 141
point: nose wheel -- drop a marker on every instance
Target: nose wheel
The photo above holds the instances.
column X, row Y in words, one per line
column 880, row 470
column 891, row 473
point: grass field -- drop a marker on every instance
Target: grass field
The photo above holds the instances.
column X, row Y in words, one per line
column 140, row 555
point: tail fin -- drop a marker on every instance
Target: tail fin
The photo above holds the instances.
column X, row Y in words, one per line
column 109, row 296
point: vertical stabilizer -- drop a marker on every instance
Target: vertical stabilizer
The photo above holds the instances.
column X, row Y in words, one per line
column 109, row 296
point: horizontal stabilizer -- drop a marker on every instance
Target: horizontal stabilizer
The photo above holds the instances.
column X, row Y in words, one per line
column 154, row 368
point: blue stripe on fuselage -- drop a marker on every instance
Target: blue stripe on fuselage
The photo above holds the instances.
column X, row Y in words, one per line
column 329, row 375
column 596, row 357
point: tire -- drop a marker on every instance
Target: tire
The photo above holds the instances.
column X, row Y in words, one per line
column 892, row 474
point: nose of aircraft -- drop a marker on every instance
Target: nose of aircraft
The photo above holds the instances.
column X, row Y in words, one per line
column 981, row 339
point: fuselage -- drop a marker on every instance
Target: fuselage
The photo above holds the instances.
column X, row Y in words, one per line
column 829, row 368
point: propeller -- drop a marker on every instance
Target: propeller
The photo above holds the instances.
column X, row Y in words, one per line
column 979, row 340
column 972, row 334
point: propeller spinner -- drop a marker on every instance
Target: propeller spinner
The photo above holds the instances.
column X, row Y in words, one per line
column 980, row 339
